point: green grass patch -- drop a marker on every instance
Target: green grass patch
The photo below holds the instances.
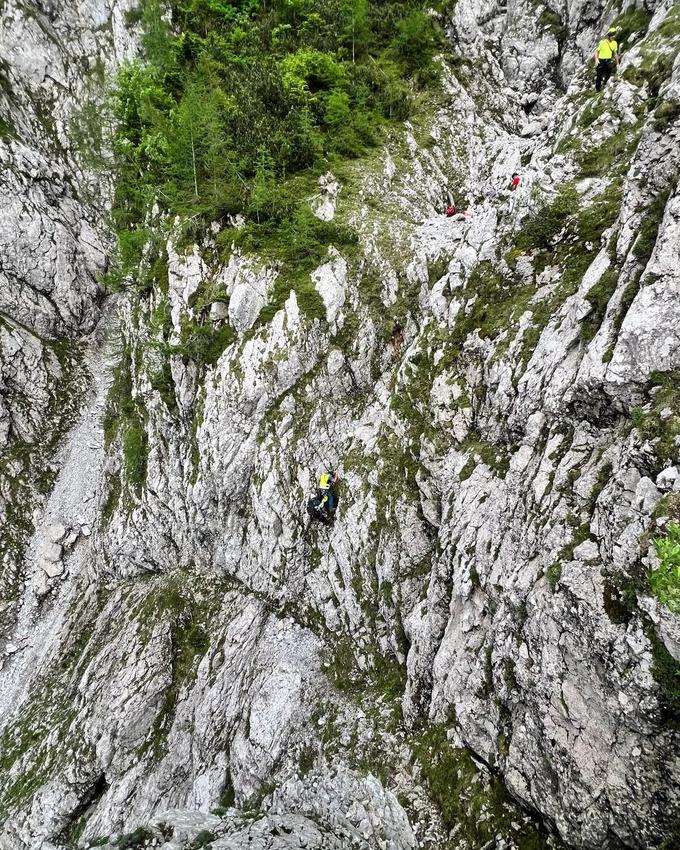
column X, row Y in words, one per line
column 612, row 157
column 593, row 111
column 599, row 296
column 631, row 21
column 135, row 453
column 566, row 554
column 661, row 431
column 125, row 419
column 567, row 233
column 203, row 839
column 649, row 227
column 665, row 579
column 667, row 113
column 189, row 614
column 553, row 574
column 477, row 806
column 44, row 739
column 494, row 456
column 541, row 229
column 642, row 251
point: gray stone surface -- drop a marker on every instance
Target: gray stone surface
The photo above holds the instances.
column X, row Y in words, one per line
column 187, row 651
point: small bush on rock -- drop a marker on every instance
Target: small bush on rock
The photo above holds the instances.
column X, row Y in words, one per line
column 665, row 580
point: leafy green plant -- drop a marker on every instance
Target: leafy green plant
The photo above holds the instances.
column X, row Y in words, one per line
column 665, row 579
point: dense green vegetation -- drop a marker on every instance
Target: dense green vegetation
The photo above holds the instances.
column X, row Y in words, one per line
column 665, row 580
column 239, row 106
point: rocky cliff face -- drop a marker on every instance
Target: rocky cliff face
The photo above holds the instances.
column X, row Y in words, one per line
column 499, row 393
column 54, row 241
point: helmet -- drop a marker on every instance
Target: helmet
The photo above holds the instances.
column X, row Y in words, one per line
column 612, row 30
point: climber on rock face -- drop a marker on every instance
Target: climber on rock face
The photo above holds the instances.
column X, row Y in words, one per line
column 326, row 482
column 606, row 54
column 322, row 505
column 456, row 215
column 514, row 183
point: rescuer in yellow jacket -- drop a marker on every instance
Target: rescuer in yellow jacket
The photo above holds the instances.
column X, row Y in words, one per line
column 606, row 54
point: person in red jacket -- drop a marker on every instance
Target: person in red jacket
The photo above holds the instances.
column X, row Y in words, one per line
column 452, row 211
column 515, row 181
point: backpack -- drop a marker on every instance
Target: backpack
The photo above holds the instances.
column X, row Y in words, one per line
column 314, row 507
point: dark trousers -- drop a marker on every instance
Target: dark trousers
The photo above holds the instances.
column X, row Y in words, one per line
column 603, row 72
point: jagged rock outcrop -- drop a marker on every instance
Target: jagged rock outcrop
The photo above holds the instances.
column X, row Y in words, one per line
column 498, row 392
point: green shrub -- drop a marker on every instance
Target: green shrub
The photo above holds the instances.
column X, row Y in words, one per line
column 161, row 380
column 415, row 41
column 553, row 574
column 203, row 839
column 203, row 343
column 134, row 840
column 666, row 672
column 135, row 453
column 552, row 22
column 665, row 579
column 665, row 114
column 650, row 424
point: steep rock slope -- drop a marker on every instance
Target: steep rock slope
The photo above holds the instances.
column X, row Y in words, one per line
column 54, row 241
column 499, row 394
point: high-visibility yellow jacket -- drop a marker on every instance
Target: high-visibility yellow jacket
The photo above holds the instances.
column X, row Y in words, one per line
column 607, row 48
